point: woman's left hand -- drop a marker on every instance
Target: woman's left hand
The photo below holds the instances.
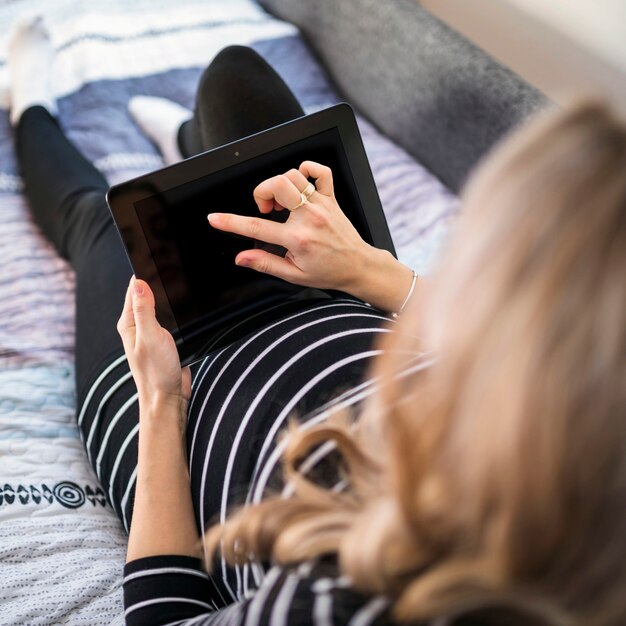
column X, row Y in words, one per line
column 152, row 353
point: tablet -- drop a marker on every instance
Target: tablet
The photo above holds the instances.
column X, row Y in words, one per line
column 201, row 296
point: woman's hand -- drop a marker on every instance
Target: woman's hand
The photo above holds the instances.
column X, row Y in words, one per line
column 324, row 250
column 163, row 519
column 152, row 354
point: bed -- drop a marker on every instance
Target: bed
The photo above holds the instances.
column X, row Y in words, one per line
column 62, row 547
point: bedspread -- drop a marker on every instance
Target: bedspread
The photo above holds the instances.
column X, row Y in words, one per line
column 61, row 546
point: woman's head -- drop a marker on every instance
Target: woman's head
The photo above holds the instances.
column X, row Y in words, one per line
column 498, row 476
column 528, row 468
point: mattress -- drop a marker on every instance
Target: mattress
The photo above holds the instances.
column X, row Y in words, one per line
column 61, row 546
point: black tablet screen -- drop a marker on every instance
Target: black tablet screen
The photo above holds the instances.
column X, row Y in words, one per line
column 195, row 262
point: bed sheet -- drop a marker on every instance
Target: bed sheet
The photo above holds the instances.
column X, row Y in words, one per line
column 61, row 546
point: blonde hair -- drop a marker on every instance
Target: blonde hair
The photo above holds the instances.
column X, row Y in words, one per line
column 497, row 477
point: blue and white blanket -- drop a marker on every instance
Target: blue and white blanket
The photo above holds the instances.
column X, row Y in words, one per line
column 61, row 546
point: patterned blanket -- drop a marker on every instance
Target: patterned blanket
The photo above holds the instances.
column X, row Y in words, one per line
column 61, row 546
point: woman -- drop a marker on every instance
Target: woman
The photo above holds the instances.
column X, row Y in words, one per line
column 489, row 488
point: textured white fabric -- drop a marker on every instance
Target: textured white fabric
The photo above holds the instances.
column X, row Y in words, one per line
column 61, row 548
column 95, row 43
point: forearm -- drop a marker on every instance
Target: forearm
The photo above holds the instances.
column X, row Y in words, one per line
column 163, row 518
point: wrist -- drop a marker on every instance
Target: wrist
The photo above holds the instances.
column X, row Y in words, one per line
column 366, row 268
column 162, row 414
column 154, row 403
column 396, row 314
column 383, row 281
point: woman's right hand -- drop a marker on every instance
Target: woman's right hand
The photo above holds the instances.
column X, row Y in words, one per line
column 324, row 250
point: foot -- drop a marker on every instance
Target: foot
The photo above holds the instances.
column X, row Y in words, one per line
column 29, row 62
column 160, row 120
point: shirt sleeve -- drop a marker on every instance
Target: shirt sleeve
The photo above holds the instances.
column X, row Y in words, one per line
column 174, row 590
column 165, row 589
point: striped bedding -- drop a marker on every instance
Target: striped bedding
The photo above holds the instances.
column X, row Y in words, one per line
column 61, row 546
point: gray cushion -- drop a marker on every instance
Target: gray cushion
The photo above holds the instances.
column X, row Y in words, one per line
column 424, row 85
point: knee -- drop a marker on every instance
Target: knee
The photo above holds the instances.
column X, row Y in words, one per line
column 237, row 55
column 231, row 62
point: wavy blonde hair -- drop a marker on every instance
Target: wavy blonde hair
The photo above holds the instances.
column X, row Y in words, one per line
column 496, row 478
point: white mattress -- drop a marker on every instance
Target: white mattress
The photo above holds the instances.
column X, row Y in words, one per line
column 61, row 546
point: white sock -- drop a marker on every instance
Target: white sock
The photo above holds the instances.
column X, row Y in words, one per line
column 29, row 63
column 160, row 119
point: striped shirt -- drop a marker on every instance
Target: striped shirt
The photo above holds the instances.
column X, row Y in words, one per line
column 173, row 590
column 309, row 364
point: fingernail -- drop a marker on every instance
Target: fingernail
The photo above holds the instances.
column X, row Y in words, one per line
column 213, row 218
column 242, row 262
column 137, row 288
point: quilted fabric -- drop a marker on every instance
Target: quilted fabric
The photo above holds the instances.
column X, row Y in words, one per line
column 61, row 546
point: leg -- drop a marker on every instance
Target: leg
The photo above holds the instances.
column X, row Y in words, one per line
column 239, row 94
column 59, row 181
column 67, row 197
column 66, row 194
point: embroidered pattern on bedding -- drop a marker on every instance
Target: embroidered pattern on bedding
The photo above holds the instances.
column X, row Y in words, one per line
column 66, row 492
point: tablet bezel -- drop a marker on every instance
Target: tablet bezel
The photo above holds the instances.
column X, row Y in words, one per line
column 122, row 197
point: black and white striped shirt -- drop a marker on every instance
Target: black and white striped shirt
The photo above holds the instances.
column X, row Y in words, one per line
column 172, row 590
column 307, row 363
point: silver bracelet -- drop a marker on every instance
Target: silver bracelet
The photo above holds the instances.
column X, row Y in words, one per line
column 408, row 297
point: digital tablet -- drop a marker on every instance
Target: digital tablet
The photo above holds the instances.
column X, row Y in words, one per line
column 202, row 297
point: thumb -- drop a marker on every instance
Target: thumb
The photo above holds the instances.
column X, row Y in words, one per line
column 143, row 308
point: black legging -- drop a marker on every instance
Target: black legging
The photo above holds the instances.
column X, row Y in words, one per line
column 239, row 94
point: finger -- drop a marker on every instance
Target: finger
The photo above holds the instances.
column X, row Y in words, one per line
column 143, row 310
column 298, row 179
column 278, row 189
column 323, row 176
column 251, row 227
column 127, row 319
column 268, row 207
column 127, row 311
column 268, row 263
column 186, row 379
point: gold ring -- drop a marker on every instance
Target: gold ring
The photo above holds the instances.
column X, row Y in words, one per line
column 309, row 190
column 303, row 200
